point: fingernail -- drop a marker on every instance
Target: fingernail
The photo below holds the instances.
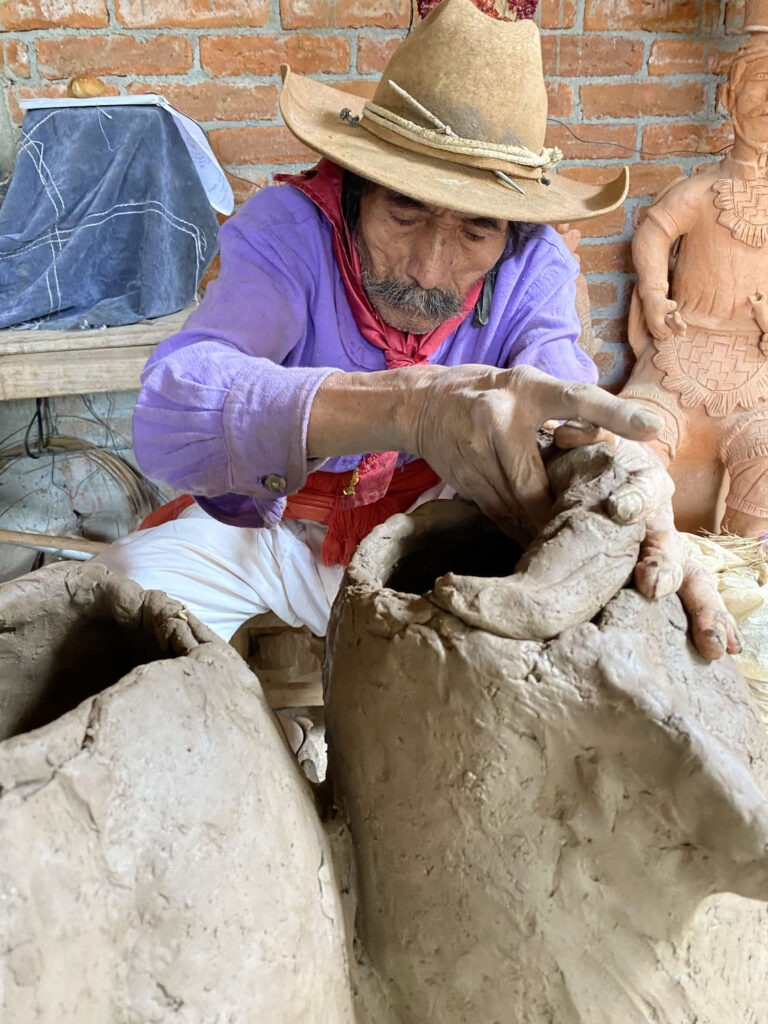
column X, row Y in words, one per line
column 717, row 635
column 628, row 506
column 666, row 583
column 644, row 419
column 583, row 425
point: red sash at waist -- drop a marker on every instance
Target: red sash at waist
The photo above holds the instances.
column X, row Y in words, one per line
column 319, row 500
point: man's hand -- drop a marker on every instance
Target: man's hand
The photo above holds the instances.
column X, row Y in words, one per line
column 477, row 429
column 662, row 567
column 475, row 425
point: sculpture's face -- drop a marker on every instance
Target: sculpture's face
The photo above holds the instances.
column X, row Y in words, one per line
column 750, row 104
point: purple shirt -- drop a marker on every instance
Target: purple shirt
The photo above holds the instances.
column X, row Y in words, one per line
column 224, row 403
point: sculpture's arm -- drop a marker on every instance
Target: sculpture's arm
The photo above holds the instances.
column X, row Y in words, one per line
column 650, row 253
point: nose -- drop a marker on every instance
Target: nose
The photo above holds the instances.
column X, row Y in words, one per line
column 430, row 259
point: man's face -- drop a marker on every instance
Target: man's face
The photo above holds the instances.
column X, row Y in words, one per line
column 419, row 261
column 750, row 104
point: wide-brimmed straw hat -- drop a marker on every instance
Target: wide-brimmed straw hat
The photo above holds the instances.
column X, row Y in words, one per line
column 457, row 120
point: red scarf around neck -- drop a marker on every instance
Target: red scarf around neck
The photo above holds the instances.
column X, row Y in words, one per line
column 322, row 184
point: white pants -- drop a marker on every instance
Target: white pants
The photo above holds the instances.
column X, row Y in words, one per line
column 226, row 574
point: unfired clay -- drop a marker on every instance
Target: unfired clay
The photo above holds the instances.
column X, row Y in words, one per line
column 571, row 831
column 702, row 353
column 160, row 857
column 552, row 819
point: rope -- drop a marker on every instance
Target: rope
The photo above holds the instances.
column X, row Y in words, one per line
column 442, row 136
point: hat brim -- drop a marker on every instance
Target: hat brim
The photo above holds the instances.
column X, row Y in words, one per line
column 312, row 112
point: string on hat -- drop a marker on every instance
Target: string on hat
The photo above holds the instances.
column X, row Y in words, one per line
column 442, row 136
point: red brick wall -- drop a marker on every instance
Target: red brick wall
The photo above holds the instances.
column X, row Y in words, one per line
column 631, row 81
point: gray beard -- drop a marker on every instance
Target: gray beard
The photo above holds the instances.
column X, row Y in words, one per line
column 433, row 304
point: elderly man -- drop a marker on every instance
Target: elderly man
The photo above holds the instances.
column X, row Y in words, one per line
column 380, row 333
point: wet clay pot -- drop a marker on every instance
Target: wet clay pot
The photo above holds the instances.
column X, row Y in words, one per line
column 160, row 857
column 556, row 816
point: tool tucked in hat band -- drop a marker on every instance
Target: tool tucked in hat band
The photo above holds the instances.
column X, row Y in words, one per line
column 491, row 156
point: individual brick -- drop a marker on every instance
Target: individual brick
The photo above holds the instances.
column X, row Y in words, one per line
column 677, row 56
column 263, row 55
column 611, row 330
column 550, row 48
column 650, row 179
column 560, row 99
column 600, row 55
column 646, row 15
column 306, row 13
column 215, row 101
column 345, row 13
column 602, row 294
column 557, row 13
column 363, row 13
column 22, row 15
column 603, row 257
column 14, row 58
column 606, row 225
column 638, row 99
column 684, row 139
column 64, row 56
column 374, row 54
column 259, row 145
column 192, row 13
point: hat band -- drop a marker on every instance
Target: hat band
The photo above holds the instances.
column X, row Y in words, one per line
column 447, row 145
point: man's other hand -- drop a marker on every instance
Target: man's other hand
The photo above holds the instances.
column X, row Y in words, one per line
column 662, row 567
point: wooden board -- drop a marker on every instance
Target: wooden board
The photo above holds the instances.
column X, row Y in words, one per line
column 38, row 364
column 51, row 542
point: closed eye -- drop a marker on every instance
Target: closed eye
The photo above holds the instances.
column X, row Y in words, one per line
column 402, row 221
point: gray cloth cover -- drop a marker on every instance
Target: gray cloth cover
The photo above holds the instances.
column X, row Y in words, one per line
column 105, row 222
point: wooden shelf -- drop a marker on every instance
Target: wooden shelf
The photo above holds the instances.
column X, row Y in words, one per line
column 38, row 364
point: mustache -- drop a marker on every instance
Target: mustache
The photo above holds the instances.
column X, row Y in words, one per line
column 432, row 303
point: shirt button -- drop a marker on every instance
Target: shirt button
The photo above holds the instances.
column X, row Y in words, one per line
column 274, row 483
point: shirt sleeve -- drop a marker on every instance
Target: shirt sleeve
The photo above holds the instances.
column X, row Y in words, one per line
column 545, row 329
column 217, row 414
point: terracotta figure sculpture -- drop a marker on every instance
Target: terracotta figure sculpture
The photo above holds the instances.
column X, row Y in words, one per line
column 700, row 336
column 558, row 812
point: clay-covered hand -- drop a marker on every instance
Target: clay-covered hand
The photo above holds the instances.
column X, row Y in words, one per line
column 713, row 628
column 476, row 427
column 662, row 316
column 662, row 567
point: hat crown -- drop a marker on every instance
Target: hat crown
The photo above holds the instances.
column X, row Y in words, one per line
column 481, row 77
